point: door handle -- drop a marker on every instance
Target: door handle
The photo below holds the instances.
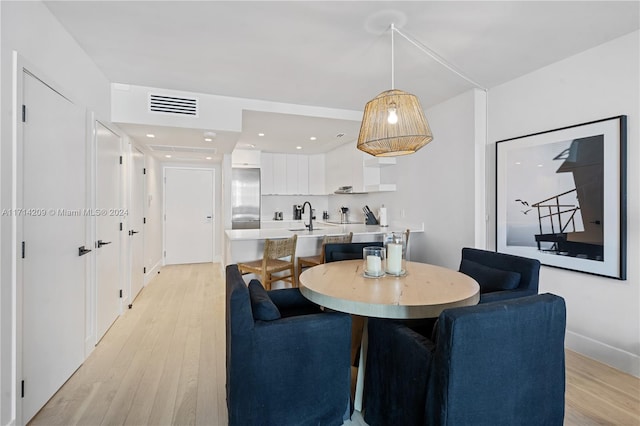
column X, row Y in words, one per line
column 101, row 243
column 133, row 232
column 82, row 251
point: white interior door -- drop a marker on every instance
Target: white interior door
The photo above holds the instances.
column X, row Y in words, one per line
column 109, row 215
column 53, row 228
column 188, row 215
column 136, row 222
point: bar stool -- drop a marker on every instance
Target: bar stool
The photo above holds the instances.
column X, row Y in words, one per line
column 272, row 262
column 309, row 261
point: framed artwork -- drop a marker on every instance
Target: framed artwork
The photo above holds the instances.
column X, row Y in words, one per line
column 561, row 197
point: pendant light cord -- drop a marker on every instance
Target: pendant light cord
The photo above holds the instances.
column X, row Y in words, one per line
column 393, row 30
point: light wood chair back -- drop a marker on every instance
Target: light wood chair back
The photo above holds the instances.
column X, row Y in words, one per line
column 334, row 239
column 273, row 261
column 318, row 259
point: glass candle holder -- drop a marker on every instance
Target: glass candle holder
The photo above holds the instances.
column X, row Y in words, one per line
column 396, row 248
column 374, row 261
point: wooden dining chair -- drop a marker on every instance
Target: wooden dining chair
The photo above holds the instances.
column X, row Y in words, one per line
column 309, row 261
column 273, row 261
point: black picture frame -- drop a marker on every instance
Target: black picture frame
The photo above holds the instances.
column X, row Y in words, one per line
column 561, row 197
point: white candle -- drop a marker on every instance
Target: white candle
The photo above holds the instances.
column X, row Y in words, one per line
column 394, row 258
column 374, row 265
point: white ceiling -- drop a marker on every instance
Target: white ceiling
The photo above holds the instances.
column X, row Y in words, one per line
column 328, row 54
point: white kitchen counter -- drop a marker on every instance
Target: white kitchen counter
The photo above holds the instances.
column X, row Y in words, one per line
column 248, row 244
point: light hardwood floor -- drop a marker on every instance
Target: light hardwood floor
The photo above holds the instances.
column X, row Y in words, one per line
column 163, row 363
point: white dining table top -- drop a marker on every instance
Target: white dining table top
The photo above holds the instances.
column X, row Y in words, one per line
column 424, row 292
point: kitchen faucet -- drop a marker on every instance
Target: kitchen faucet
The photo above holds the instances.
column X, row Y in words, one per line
column 310, row 225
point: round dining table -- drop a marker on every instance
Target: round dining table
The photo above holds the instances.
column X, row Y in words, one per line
column 424, row 291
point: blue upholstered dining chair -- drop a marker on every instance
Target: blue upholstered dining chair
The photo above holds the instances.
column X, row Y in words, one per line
column 498, row 363
column 346, row 251
column 500, row 276
column 287, row 361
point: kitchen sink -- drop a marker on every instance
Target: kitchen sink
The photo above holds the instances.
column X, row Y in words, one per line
column 303, row 229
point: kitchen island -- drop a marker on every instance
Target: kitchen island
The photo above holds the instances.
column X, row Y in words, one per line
column 243, row 245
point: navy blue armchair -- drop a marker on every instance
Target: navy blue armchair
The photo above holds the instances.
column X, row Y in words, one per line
column 499, row 363
column 287, row 360
column 501, row 276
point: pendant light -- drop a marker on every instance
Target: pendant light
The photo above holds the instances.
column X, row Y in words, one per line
column 393, row 122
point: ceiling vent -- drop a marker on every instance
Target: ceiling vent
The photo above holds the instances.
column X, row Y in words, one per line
column 173, row 105
column 192, row 149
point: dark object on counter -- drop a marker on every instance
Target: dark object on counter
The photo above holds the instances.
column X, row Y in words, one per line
column 277, row 216
column 370, row 218
column 295, row 349
column 344, row 214
column 297, row 212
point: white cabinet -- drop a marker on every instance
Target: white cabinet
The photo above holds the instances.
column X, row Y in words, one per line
column 289, row 174
column 348, row 166
column 339, row 168
column 292, row 174
column 317, row 175
column 303, row 174
column 245, row 158
column 279, row 174
column 266, row 174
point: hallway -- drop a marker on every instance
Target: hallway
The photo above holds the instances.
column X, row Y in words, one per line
column 158, row 363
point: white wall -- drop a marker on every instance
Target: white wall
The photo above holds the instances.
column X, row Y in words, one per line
column 603, row 314
column 30, row 29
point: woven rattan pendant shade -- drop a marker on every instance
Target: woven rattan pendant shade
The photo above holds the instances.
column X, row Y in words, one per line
column 380, row 138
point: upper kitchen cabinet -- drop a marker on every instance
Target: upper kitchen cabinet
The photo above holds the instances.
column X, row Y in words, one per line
column 317, row 175
column 245, row 158
column 288, row 174
column 348, row 166
column 297, row 174
column 266, row 173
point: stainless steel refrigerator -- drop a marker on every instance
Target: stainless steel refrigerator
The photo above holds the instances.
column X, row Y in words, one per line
column 245, row 198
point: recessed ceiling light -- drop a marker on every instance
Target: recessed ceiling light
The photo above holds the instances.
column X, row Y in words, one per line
column 313, row 138
column 517, row 162
column 208, row 139
column 260, row 134
column 209, row 134
column 539, row 165
column 298, row 147
column 151, row 135
column 250, row 145
column 167, row 156
column 207, row 158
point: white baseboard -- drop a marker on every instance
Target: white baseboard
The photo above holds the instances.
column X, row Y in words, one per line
column 614, row 357
column 152, row 272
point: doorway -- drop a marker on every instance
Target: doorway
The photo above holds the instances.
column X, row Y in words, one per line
column 188, row 215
